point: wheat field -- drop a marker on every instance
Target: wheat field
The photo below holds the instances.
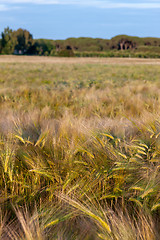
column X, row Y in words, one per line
column 76, row 60
column 79, row 149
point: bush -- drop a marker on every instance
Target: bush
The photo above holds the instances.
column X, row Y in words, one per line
column 66, row 53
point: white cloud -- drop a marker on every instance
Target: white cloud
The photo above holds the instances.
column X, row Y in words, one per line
column 33, row 1
column 132, row 5
column 3, row 8
column 147, row 4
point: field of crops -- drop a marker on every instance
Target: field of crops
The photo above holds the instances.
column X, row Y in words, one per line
column 79, row 149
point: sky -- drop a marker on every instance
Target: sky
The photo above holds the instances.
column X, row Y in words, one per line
column 61, row 19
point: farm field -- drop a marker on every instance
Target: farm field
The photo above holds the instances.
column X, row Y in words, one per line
column 80, row 60
column 79, row 148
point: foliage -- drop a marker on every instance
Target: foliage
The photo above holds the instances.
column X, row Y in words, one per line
column 18, row 42
column 24, row 41
column 43, row 47
column 66, row 53
column 21, row 42
column 7, row 42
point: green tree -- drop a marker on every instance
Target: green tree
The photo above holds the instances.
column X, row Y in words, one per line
column 24, row 41
column 0, row 46
column 44, row 47
column 7, row 42
column 19, row 41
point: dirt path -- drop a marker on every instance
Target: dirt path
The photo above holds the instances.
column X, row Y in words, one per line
column 54, row 60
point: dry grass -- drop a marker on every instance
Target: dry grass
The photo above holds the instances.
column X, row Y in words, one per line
column 81, row 143
column 82, row 60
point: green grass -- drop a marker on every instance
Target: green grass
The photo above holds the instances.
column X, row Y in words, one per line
column 58, row 75
column 79, row 151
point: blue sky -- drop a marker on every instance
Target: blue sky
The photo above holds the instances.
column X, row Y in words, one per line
column 60, row 19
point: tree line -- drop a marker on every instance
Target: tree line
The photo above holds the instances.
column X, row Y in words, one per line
column 21, row 42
